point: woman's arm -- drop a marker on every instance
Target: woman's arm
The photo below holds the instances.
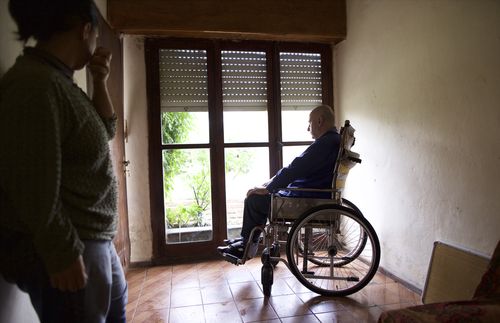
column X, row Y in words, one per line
column 99, row 67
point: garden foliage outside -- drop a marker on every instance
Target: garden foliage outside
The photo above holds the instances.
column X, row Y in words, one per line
column 193, row 167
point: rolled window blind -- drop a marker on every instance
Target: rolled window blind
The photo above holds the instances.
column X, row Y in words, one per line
column 300, row 78
column 183, row 80
column 244, row 80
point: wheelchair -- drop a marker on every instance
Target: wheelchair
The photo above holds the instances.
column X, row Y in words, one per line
column 330, row 247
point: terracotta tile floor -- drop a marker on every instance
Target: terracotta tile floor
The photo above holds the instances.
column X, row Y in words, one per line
column 217, row 291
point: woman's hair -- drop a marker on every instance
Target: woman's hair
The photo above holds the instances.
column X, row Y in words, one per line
column 41, row 19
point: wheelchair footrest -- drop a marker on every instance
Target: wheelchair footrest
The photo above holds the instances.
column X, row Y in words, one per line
column 232, row 259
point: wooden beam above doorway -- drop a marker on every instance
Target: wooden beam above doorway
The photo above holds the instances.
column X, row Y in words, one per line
column 288, row 20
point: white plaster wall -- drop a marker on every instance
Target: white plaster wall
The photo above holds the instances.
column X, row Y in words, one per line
column 420, row 80
column 102, row 5
column 16, row 305
column 9, row 47
column 136, row 148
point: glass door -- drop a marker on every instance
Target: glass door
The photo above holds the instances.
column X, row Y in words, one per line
column 301, row 91
column 246, row 129
column 223, row 117
column 185, row 137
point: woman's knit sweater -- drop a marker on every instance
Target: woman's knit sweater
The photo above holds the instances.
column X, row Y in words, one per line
column 57, row 185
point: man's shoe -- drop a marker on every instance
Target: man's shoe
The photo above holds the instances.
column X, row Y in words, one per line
column 235, row 250
column 231, row 241
column 228, row 242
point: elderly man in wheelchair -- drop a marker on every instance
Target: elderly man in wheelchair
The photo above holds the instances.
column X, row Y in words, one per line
column 330, row 247
column 312, row 169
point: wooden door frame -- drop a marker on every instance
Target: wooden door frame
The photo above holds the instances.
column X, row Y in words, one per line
column 163, row 253
column 111, row 40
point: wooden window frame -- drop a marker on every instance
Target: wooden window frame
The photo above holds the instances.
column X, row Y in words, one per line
column 163, row 253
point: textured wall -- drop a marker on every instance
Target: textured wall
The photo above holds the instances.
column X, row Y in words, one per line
column 420, row 81
column 9, row 47
column 136, row 149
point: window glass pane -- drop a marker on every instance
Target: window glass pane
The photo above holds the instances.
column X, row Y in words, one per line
column 184, row 127
column 301, row 91
column 244, row 96
column 245, row 168
column 294, row 125
column 245, row 126
column 183, row 96
column 187, row 195
column 290, row 152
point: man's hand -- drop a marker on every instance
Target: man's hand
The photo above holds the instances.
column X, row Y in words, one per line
column 72, row 278
column 99, row 64
column 258, row 191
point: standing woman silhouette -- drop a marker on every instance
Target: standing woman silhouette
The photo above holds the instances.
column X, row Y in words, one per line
column 58, row 193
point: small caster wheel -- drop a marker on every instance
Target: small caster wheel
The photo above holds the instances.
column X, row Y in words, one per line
column 266, row 276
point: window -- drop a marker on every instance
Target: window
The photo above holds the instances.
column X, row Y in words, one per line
column 224, row 117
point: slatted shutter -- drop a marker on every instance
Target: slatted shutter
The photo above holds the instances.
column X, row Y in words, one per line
column 244, row 80
column 300, row 77
column 183, row 80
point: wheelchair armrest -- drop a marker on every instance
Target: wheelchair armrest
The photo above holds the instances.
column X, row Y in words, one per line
column 327, row 190
column 289, row 209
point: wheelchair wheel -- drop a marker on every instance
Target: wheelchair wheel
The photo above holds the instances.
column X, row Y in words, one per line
column 356, row 245
column 319, row 241
column 333, row 250
column 349, row 204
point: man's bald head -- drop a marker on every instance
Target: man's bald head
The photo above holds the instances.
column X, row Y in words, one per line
column 321, row 119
